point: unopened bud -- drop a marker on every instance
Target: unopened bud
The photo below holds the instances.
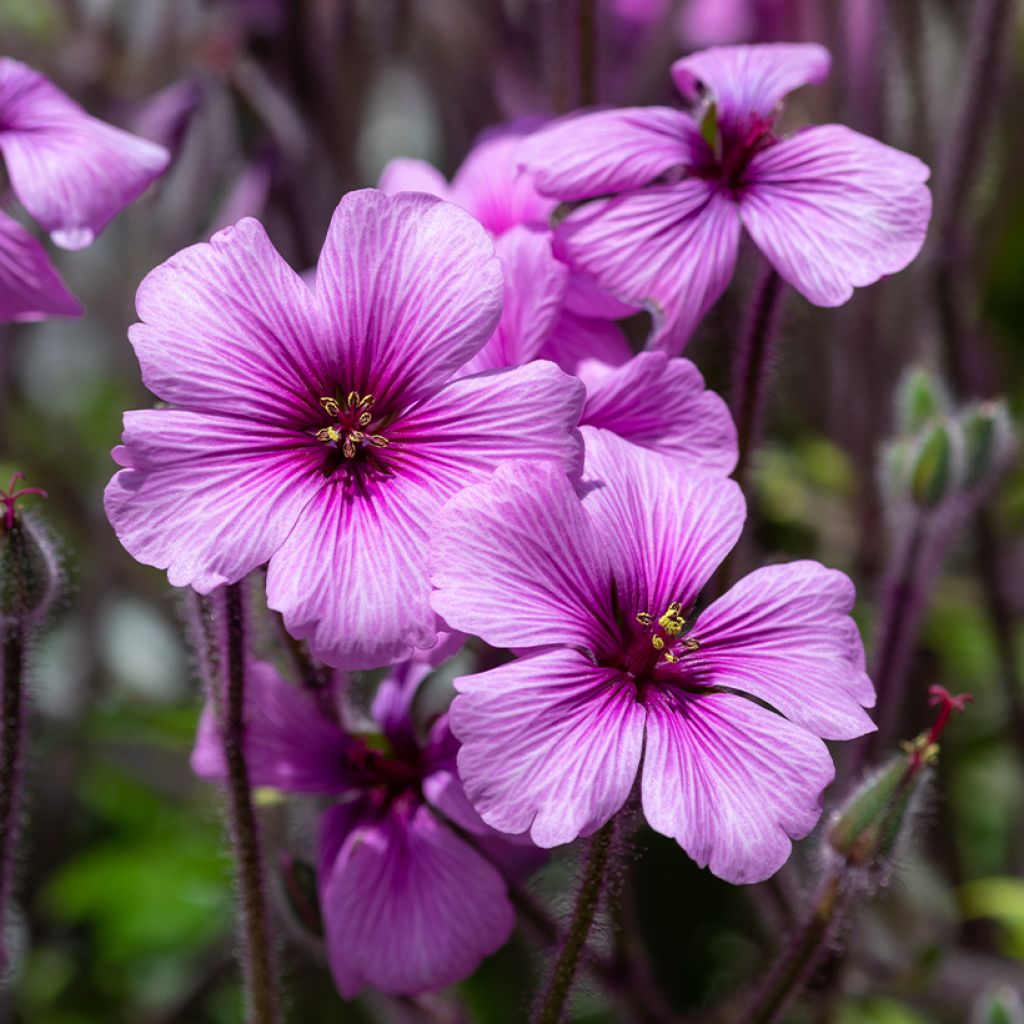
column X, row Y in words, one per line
column 1003, row 1006
column 988, row 440
column 920, row 399
column 28, row 568
column 299, row 881
column 933, row 476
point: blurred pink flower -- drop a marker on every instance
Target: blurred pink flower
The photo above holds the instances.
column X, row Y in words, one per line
column 408, row 905
column 596, row 596
column 669, row 190
column 320, row 429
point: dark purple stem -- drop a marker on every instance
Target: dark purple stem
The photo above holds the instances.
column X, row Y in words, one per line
column 586, row 37
column 11, row 724
column 256, row 946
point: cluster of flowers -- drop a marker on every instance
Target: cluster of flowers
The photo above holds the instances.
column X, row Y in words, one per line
column 446, row 434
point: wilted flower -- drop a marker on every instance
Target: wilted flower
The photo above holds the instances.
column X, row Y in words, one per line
column 407, row 904
column 319, row 429
column 597, row 597
column 72, row 173
column 670, row 189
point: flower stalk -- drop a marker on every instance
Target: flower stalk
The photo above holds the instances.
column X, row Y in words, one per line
column 13, row 643
column 587, row 901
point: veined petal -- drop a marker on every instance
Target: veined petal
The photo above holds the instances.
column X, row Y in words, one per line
column 516, row 561
column 229, row 328
column 290, row 744
column 669, row 248
column 408, row 906
column 784, row 635
column 410, row 290
column 730, row 781
column 585, row 347
column 666, row 526
column 750, row 81
column 661, row 404
column 352, row 577
column 407, row 175
column 71, row 172
column 535, row 285
column 30, row 287
column 835, row 210
column 551, row 743
column 587, row 155
column 205, row 499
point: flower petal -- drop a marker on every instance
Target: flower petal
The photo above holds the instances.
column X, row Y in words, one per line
column 410, row 291
column 515, row 561
column 550, row 743
column 30, row 287
column 290, row 743
column 835, row 210
column 407, row 175
column 669, row 248
column 586, row 348
column 71, row 172
column 595, row 154
column 408, row 906
column 730, row 781
column 535, row 285
column 666, row 526
column 661, row 404
column 784, row 635
column 205, row 500
column 750, row 81
column 229, row 328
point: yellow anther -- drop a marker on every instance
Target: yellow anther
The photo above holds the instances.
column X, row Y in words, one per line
column 672, row 621
column 691, row 643
column 657, row 643
column 671, row 658
column 356, row 436
column 327, row 434
column 644, row 618
column 330, row 406
column 364, row 419
column 352, row 400
column 379, row 440
column 358, row 401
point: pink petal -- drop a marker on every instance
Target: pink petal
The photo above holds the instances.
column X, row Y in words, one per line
column 661, row 404
column 408, row 906
column 834, row 210
column 589, row 155
column 784, row 635
column 666, row 526
column 72, row 172
column 351, row 579
column 535, row 285
column 229, row 328
column 392, row 703
column 30, row 287
column 410, row 291
column 406, row 175
column 491, row 186
column 585, row 347
column 206, row 498
column 516, row 562
column 750, row 81
column 551, row 743
column 290, row 743
column 731, row 782
column 669, row 248
column 585, row 299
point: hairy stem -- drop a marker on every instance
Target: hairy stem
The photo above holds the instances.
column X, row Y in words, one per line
column 257, row 956
column 11, row 699
column 587, row 900
column 586, row 37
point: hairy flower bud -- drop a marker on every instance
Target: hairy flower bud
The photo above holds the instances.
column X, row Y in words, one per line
column 988, row 440
column 934, row 475
column 28, row 568
column 1003, row 1006
column 920, row 400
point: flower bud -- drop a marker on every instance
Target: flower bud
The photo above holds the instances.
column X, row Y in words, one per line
column 28, row 568
column 1003, row 1006
column 934, row 476
column 988, row 440
column 920, row 399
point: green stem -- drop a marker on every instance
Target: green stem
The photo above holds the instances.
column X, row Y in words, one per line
column 587, row 901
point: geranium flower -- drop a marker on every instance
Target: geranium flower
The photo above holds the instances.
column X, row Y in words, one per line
column 407, row 904
column 319, row 430
column 596, row 596
column 831, row 209
column 72, row 173
column 656, row 403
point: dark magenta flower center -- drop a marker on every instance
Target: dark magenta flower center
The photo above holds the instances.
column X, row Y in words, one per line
column 733, row 147
column 388, row 773
column 354, row 435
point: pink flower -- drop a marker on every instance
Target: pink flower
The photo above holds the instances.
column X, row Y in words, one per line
column 830, row 208
column 72, row 173
column 657, row 403
column 596, row 595
column 408, row 905
column 320, row 430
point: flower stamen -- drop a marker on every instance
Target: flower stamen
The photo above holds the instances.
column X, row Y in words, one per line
column 349, row 433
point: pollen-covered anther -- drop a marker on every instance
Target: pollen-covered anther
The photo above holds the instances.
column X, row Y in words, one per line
column 672, row 622
column 352, row 418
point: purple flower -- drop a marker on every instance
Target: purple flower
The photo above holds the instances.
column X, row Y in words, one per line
column 596, row 595
column 408, row 905
column 648, row 400
column 830, row 208
column 72, row 173
column 319, row 430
